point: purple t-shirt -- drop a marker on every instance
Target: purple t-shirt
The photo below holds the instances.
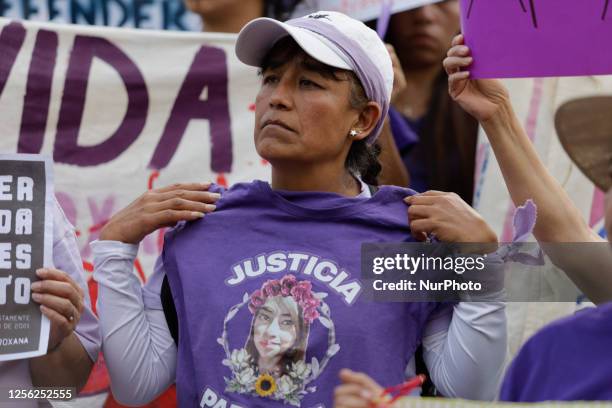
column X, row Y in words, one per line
column 570, row 359
column 269, row 303
column 408, row 141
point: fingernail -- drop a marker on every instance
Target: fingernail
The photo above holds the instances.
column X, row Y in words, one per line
column 366, row 394
column 211, row 207
column 215, row 195
column 197, row 214
column 36, row 296
column 35, row 286
column 40, row 272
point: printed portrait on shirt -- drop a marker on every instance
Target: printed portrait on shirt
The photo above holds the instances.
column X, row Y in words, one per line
column 273, row 362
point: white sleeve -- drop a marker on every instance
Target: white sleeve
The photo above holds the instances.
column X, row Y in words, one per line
column 138, row 348
column 467, row 360
column 66, row 257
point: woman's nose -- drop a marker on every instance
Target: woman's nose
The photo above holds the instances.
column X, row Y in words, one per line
column 281, row 95
column 274, row 328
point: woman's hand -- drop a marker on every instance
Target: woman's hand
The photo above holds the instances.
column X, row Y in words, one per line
column 356, row 391
column 399, row 80
column 159, row 208
column 61, row 300
column 448, row 217
column 481, row 98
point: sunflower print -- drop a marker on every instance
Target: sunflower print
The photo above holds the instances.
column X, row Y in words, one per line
column 265, row 385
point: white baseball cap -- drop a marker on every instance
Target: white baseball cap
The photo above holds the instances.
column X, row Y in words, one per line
column 331, row 38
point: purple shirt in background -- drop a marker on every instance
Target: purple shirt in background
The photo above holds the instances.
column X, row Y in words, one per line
column 570, row 359
column 406, row 135
column 269, row 302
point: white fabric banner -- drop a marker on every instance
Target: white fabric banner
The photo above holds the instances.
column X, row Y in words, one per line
column 123, row 110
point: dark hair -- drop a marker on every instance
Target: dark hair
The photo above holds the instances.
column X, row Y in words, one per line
column 362, row 158
column 280, row 9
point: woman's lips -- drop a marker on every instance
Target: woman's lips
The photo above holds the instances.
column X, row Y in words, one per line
column 278, row 123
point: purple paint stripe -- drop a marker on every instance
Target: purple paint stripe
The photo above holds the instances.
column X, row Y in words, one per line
column 597, row 208
column 383, row 19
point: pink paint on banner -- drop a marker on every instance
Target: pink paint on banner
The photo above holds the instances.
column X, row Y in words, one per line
column 531, row 127
column 533, row 38
column 597, row 208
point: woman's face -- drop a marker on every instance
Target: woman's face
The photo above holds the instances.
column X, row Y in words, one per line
column 302, row 114
column 422, row 36
column 274, row 329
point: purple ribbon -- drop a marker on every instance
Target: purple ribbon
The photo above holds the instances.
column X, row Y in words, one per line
column 523, row 222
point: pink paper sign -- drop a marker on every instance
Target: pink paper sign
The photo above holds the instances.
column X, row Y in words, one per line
column 536, row 38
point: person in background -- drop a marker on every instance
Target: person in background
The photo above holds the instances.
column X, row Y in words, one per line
column 436, row 139
column 75, row 338
column 229, row 16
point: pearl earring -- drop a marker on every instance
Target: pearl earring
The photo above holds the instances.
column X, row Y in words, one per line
column 353, row 133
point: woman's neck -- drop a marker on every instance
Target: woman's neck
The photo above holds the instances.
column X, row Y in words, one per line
column 232, row 20
column 414, row 101
column 268, row 365
column 315, row 178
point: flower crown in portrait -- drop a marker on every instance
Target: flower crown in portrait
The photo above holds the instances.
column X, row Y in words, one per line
column 288, row 286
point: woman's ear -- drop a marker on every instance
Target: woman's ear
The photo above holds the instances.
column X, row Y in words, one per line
column 367, row 120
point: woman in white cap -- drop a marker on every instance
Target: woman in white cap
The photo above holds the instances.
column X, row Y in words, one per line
column 279, row 264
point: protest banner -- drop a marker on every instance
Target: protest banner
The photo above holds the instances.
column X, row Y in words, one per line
column 537, row 38
column 364, row 10
column 26, row 242
column 124, row 110
column 148, row 14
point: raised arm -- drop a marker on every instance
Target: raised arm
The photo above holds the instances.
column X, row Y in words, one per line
column 526, row 177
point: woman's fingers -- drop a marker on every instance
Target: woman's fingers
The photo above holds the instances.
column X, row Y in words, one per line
column 180, row 204
column 422, row 227
column 197, row 196
column 361, row 379
column 459, row 51
column 163, row 207
column 58, row 304
column 45, row 288
column 56, row 274
column 458, row 39
column 183, row 186
column 417, row 211
column 453, row 65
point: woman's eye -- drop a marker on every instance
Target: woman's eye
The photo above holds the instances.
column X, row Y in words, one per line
column 270, row 79
column 309, row 83
column 263, row 317
column 287, row 323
